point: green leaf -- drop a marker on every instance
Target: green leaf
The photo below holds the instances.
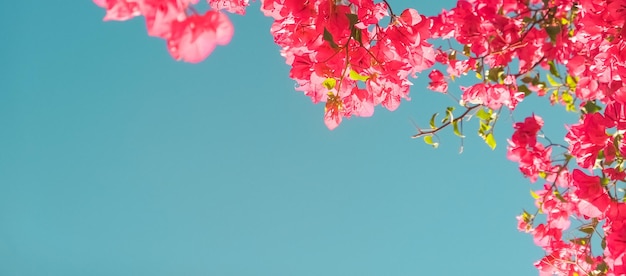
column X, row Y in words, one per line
column 483, row 115
column 491, row 142
column 543, row 175
column 449, row 110
column 616, row 145
column 587, row 229
column 604, row 181
column 536, row 80
column 527, row 217
column 328, row 37
column 568, row 99
column 533, row 194
column 571, row 82
column 452, row 55
column 353, row 18
column 446, row 118
column 482, row 129
column 432, row 121
column 357, row 35
column 457, row 132
column 579, row 241
column 551, row 81
column 527, row 79
column 559, row 196
column 600, row 155
column 524, row 88
column 553, row 31
column 429, row 140
column 466, row 50
column 603, row 267
column 479, row 68
column 329, row 83
column 357, row 77
column 553, row 69
column 495, row 73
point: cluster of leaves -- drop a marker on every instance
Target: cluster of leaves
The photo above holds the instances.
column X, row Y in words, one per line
column 357, row 54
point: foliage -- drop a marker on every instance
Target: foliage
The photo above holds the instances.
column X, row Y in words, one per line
column 357, row 54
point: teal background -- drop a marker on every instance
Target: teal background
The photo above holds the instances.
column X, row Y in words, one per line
column 117, row 160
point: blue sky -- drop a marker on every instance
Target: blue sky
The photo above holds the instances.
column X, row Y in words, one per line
column 117, row 160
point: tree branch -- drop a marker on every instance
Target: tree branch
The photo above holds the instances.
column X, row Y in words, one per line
column 433, row 131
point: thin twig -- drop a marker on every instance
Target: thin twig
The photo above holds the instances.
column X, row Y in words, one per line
column 433, row 131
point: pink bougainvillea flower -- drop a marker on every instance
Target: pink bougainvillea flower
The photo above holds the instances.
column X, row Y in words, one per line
column 333, row 111
column 340, row 54
column 119, row 9
column 492, row 95
column 232, row 6
column 194, row 39
column 161, row 14
column 594, row 199
column 369, row 13
column 545, row 237
column 616, row 11
column 523, row 225
column 588, row 137
column 437, row 82
column 524, row 148
column 526, row 132
column 615, row 229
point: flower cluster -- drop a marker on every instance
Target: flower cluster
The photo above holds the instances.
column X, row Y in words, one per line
column 356, row 54
column 532, row 156
column 341, row 55
column 190, row 36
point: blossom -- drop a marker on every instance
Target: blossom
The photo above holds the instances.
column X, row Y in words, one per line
column 194, row 39
column 594, row 200
column 588, row 137
column 526, row 132
column 340, row 54
column 493, row 96
column 119, row 10
column 523, row 148
column 162, row 14
column 234, row 6
column 437, row 83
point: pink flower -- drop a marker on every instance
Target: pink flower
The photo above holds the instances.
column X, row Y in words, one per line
column 523, row 225
column 233, row 6
column 546, row 237
column 119, row 9
column 194, row 39
column 594, row 200
column 526, row 132
column 492, row 95
column 333, row 112
column 588, row 137
column 523, row 148
column 437, row 82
